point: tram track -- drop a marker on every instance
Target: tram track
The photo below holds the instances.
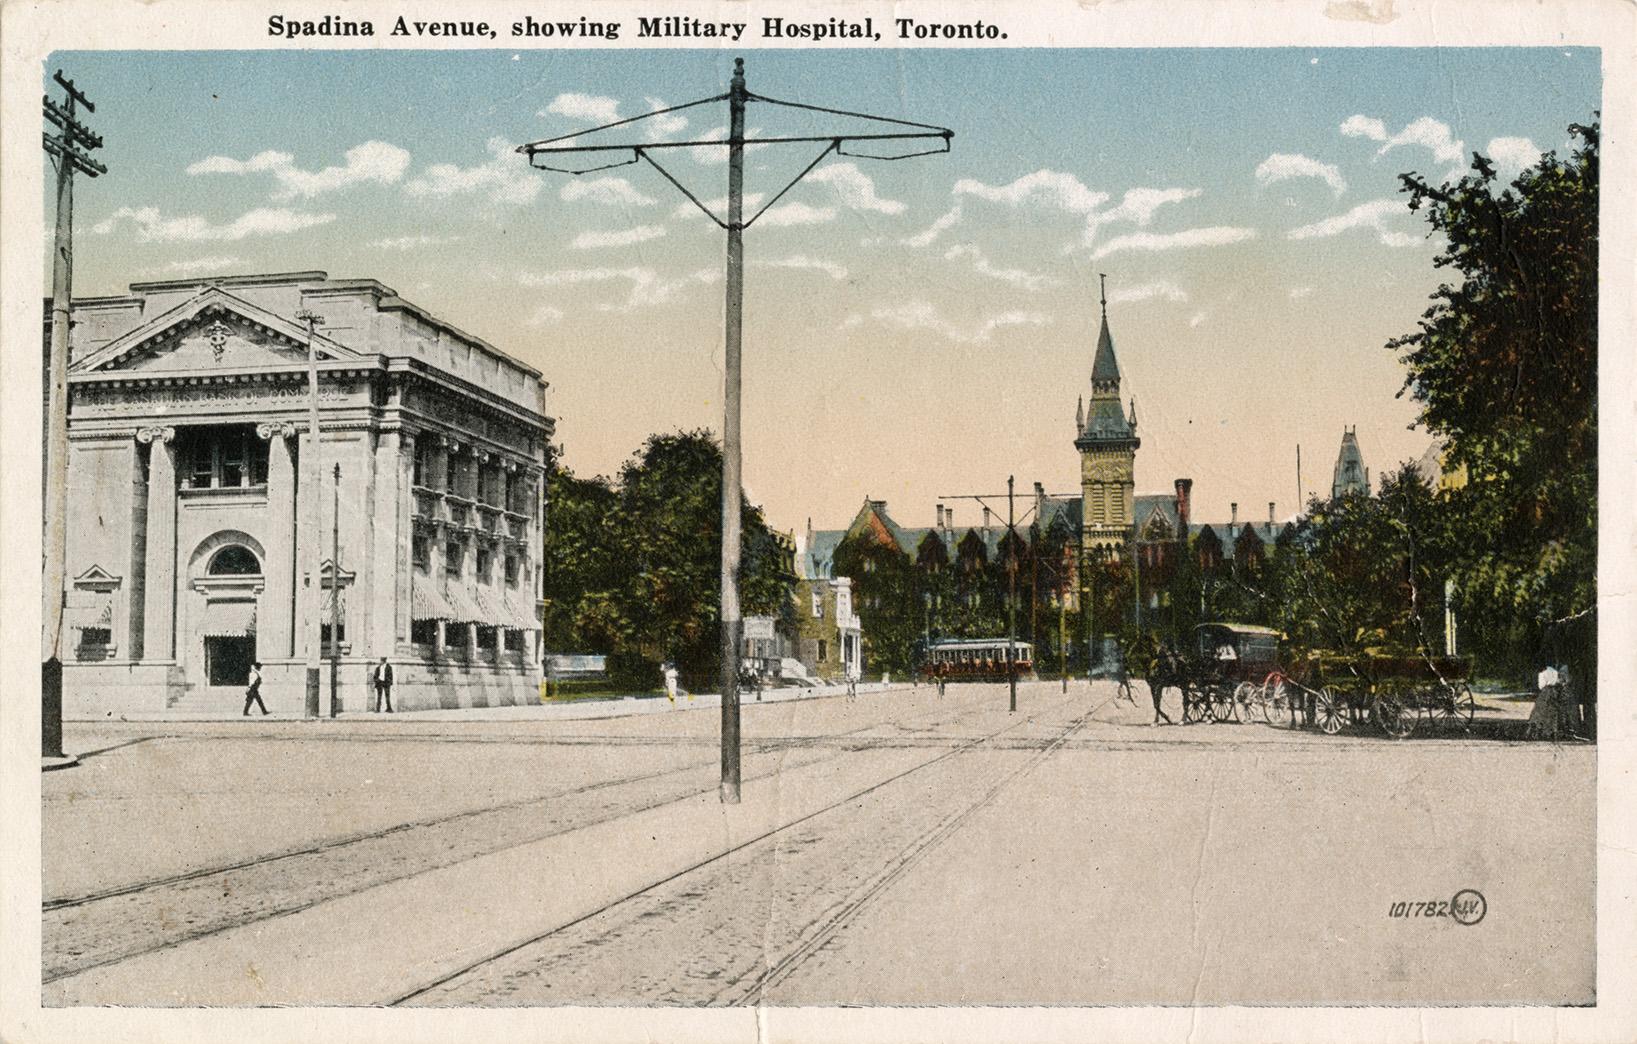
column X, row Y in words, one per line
column 898, row 864
column 157, row 891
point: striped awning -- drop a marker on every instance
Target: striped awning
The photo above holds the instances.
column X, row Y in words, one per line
column 488, row 606
column 100, row 614
column 426, row 602
column 463, row 607
column 229, row 620
column 518, row 614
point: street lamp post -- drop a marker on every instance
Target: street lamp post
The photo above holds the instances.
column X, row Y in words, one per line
column 312, row 480
column 737, row 97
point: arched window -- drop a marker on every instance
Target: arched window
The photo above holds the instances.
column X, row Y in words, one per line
column 234, row 560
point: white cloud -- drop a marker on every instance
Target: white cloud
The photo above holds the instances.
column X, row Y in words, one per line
column 264, row 221
column 545, row 315
column 646, row 287
column 201, row 264
column 1282, row 166
column 1043, row 187
column 1425, row 131
column 1299, row 292
column 1066, row 192
column 855, row 188
column 1161, row 290
column 662, row 127
column 1372, row 215
column 505, row 178
column 1138, row 204
column 1512, row 156
column 1216, row 235
column 586, row 107
column 373, row 161
column 796, row 214
column 617, row 238
column 981, row 264
column 801, row 261
column 719, row 206
column 1197, row 320
column 1361, row 126
column 609, row 191
column 934, row 230
column 409, row 242
column 919, row 315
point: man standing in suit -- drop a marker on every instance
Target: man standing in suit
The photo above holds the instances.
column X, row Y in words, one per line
column 383, row 686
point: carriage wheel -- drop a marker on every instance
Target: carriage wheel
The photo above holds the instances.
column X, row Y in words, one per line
column 1465, row 706
column 1275, row 701
column 1330, row 711
column 1247, row 698
column 1222, row 704
column 1393, row 715
column 1196, row 705
column 1444, row 704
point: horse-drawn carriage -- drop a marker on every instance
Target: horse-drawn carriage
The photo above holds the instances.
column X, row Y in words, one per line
column 1233, row 673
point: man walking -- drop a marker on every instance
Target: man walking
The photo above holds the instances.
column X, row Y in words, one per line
column 383, row 686
column 252, row 690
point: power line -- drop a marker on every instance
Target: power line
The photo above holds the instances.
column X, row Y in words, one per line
column 738, row 98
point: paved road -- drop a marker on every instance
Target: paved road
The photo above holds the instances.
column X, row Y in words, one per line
column 899, row 848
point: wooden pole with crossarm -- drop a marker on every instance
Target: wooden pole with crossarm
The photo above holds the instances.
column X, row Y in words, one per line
column 69, row 148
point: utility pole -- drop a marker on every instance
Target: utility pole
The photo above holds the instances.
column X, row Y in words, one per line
column 737, row 97
column 1011, row 600
column 335, row 598
column 1013, row 541
column 1301, row 500
column 69, row 147
column 733, row 320
column 312, row 480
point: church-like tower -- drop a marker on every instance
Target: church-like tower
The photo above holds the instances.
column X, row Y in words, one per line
column 1107, row 440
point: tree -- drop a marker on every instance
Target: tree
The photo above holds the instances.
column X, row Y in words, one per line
column 1504, row 365
column 634, row 571
column 577, row 563
column 667, row 533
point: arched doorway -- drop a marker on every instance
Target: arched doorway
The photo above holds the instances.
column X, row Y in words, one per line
column 226, row 572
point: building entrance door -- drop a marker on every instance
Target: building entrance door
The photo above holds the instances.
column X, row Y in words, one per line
column 228, row 658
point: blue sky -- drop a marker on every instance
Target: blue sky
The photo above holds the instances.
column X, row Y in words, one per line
column 912, row 329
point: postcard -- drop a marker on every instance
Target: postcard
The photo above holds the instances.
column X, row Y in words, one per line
column 818, row 520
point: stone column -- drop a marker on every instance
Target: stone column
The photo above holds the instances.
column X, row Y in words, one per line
column 389, row 536
column 159, row 557
column 276, row 614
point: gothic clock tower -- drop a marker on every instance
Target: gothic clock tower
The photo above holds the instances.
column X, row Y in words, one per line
column 1107, row 440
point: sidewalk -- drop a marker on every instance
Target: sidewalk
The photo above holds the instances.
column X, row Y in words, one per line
column 554, row 710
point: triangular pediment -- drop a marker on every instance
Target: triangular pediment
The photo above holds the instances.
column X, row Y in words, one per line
column 213, row 330
column 96, row 578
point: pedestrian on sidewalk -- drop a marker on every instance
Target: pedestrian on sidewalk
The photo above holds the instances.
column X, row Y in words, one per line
column 383, row 686
column 668, row 669
column 252, row 690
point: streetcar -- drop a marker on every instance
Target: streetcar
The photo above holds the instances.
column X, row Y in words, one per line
column 977, row 659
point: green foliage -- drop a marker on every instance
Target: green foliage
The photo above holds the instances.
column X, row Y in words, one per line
column 1505, row 367
column 634, row 570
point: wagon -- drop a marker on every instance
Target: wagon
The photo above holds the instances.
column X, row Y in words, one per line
column 1401, row 692
column 1227, row 670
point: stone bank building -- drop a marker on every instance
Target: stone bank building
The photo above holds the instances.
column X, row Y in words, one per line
column 190, row 517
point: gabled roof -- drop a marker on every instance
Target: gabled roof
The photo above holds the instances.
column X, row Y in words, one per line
column 211, row 302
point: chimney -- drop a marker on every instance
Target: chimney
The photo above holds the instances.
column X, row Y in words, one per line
column 1185, row 490
column 1233, row 517
column 1270, row 518
column 986, row 518
column 940, row 516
